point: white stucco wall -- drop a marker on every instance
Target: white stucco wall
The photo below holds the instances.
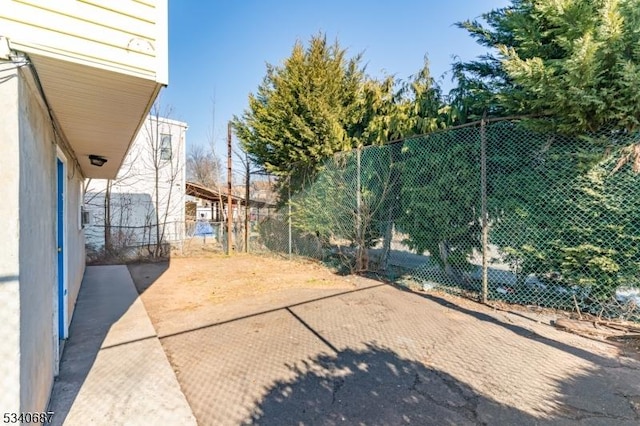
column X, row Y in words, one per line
column 28, row 253
column 38, row 268
column 9, row 248
column 75, row 239
column 134, row 194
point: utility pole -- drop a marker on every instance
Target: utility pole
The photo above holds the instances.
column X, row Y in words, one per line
column 247, row 182
column 229, row 200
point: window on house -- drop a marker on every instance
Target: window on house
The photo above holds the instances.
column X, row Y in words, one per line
column 165, row 147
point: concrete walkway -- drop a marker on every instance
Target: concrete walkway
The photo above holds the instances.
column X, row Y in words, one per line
column 114, row 370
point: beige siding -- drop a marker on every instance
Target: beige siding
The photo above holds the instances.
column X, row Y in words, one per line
column 126, row 36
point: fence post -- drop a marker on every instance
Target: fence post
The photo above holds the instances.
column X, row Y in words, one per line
column 229, row 193
column 483, row 195
column 359, row 238
column 289, row 218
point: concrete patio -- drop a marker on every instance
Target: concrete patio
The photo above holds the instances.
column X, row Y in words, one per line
column 374, row 354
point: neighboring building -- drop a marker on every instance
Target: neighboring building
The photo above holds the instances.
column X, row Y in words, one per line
column 264, row 191
column 77, row 80
column 151, row 180
column 211, row 204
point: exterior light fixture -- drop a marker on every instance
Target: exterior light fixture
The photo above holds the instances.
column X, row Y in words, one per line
column 97, row 160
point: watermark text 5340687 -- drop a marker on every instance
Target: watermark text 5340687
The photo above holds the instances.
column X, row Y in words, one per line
column 26, row 418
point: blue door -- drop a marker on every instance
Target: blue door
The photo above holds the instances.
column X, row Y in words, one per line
column 60, row 237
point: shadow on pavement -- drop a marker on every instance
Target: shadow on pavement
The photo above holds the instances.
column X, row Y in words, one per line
column 376, row 387
column 144, row 275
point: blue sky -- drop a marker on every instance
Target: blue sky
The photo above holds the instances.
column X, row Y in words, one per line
column 218, row 49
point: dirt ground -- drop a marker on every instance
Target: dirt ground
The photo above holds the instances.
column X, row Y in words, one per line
column 264, row 340
column 189, row 292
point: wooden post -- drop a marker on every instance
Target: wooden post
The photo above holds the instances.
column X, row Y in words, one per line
column 229, row 195
column 247, row 182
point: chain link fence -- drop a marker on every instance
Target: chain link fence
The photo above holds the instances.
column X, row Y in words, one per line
column 495, row 211
column 125, row 243
column 119, row 243
column 213, row 234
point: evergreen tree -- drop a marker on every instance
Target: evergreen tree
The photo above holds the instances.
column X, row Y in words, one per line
column 576, row 63
column 571, row 66
column 304, row 110
column 441, row 197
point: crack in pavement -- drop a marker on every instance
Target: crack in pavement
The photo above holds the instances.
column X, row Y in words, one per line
column 580, row 414
column 634, row 402
column 468, row 410
column 337, row 384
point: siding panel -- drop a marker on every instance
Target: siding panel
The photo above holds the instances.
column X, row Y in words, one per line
column 130, row 8
column 141, row 24
column 123, row 36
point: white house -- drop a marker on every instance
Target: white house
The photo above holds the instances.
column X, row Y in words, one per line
column 77, row 80
column 146, row 201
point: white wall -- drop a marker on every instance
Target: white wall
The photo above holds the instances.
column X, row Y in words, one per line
column 134, row 193
column 38, row 258
column 9, row 249
column 75, row 238
column 28, row 318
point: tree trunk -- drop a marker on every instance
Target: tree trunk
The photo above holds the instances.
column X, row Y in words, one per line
column 156, row 252
column 451, row 271
column 444, row 257
column 386, row 244
column 393, row 203
column 107, row 219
